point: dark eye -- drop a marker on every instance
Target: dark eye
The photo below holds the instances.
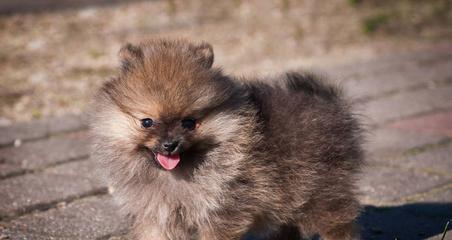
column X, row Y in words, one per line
column 147, row 122
column 189, row 123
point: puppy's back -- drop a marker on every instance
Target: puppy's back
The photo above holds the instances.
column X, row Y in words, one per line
column 306, row 119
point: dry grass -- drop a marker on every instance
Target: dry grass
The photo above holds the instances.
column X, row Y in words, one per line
column 425, row 19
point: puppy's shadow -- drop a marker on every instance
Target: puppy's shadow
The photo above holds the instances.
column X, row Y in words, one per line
column 405, row 222
column 410, row 221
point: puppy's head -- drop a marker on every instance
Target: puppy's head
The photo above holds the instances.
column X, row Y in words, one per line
column 168, row 105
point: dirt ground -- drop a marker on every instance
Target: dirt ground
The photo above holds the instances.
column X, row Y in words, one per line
column 52, row 61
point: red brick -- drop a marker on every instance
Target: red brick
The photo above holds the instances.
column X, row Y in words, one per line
column 436, row 124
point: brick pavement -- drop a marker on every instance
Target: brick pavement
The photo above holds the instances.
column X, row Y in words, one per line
column 50, row 189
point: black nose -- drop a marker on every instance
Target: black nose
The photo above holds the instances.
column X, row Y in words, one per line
column 170, row 146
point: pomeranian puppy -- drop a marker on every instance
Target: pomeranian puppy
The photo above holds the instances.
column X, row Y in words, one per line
column 193, row 153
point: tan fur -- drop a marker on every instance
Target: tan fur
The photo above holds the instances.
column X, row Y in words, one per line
column 261, row 157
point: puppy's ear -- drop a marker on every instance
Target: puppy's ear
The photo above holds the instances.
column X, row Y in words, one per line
column 204, row 52
column 129, row 56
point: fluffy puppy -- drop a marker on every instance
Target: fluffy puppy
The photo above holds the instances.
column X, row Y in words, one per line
column 195, row 154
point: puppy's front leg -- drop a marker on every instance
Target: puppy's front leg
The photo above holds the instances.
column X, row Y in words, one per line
column 348, row 231
column 154, row 233
column 149, row 232
column 225, row 230
column 218, row 233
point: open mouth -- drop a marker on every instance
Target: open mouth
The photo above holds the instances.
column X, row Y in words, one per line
column 168, row 162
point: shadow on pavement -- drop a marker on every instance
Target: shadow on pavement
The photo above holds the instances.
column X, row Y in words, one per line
column 410, row 221
column 405, row 222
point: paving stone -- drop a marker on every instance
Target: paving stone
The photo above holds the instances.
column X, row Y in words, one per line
column 67, row 123
column 439, row 194
column 373, row 85
column 444, row 196
column 383, row 185
column 89, row 218
column 8, row 170
column 386, row 141
column 437, row 160
column 388, row 67
column 42, row 189
column 407, row 104
column 38, row 154
column 41, row 128
column 436, row 123
column 391, row 63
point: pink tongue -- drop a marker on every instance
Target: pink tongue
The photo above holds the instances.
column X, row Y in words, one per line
column 168, row 162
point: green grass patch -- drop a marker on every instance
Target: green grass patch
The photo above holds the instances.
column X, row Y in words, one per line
column 373, row 23
column 445, row 230
column 354, row 3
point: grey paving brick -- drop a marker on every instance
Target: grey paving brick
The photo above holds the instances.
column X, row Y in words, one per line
column 38, row 154
column 391, row 63
column 407, row 104
column 89, row 218
column 384, row 141
column 437, row 160
column 383, row 185
column 373, row 85
column 67, row 123
column 41, row 128
column 8, row 169
column 40, row 190
column 440, row 194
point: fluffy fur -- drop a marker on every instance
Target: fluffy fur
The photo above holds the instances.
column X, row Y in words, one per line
column 262, row 156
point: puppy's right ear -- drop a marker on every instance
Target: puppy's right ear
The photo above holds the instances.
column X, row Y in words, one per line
column 204, row 53
column 129, row 56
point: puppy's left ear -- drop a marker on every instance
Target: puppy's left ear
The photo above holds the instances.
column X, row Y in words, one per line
column 129, row 56
column 204, row 53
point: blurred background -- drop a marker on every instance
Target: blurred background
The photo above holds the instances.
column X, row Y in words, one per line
column 54, row 53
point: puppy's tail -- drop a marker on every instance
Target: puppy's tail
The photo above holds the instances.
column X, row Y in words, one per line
column 311, row 84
